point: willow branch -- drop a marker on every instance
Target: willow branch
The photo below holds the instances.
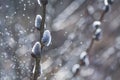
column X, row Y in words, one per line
column 43, row 22
column 90, row 46
column 93, row 40
column 37, row 73
column 37, row 69
column 102, row 16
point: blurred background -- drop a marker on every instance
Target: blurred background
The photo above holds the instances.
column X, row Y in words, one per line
column 70, row 22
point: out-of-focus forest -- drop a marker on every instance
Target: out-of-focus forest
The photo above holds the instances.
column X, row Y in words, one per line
column 70, row 23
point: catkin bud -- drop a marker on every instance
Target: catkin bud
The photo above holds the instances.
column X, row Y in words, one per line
column 39, row 71
column 107, row 4
column 39, row 2
column 84, row 60
column 110, row 2
column 44, row 2
column 106, row 8
column 98, row 34
column 83, row 55
column 46, row 39
column 75, row 68
column 96, row 24
column 36, row 50
column 38, row 21
column 33, row 71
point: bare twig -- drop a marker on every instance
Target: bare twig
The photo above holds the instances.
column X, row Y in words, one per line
column 37, row 66
column 81, row 62
column 43, row 22
column 37, row 69
column 106, row 9
column 93, row 40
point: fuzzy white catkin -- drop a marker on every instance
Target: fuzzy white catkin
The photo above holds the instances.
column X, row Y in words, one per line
column 75, row 68
column 98, row 31
column 106, row 8
column 36, row 48
column 98, row 34
column 46, row 39
column 110, row 2
column 45, row 26
column 39, row 2
column 38, row 21
column 106, row 2
column 96, row 24
column 40, row 71
column 84, row 58
column 83, row 55
column 33, row 71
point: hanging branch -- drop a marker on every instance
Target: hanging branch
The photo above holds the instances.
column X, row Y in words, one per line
column 37, row 66
column 43, row 22
column 45, row 39
column 106, row 9
column 36, row 53
column 96, row 34
column 84, row 60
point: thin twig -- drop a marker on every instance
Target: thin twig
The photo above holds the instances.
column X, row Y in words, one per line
column 43, row 22
column 37, row 72
column 91, row 44
column 37, row 69
column 93, row 40
column 102, row 16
